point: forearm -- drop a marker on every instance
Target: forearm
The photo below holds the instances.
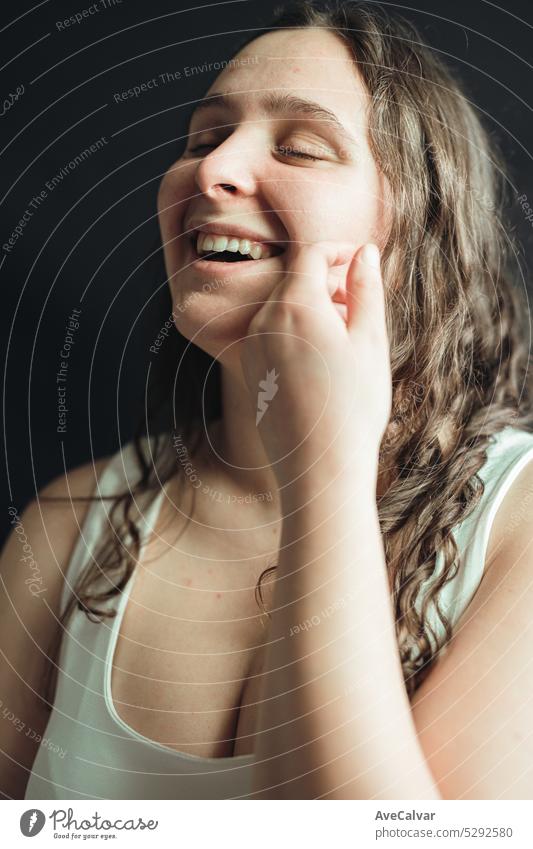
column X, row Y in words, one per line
column 335, row 718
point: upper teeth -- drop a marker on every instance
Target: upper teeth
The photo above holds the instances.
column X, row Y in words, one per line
column 208, row 242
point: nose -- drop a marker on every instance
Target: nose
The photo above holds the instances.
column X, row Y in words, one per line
column 227, row 170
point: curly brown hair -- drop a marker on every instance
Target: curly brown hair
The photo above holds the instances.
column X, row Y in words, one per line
column 457, row 323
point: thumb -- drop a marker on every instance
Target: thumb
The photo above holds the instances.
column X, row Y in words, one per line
column 364, row 292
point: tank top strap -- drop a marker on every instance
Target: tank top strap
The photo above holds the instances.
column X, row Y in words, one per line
column 509, row 450
column 119, row 473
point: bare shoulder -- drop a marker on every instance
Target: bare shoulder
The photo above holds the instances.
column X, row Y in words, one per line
column 514, row 515
column 32, row 567
column 473, row 712
column 46, row 531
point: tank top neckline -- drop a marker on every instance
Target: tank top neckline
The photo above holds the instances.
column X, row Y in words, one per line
column 151, row 516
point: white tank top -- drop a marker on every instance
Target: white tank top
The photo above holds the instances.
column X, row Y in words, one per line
column 100, row 756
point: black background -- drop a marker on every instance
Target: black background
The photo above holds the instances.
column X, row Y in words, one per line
column 85, row 246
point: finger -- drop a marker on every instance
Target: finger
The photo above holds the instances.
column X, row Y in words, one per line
column 308, row 279
column 364, row 292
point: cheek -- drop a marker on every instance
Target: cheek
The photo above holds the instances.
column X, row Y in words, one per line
column 318, row 207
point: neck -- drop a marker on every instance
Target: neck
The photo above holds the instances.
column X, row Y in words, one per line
column 236, row 447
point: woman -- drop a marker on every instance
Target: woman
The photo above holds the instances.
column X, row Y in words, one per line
column 348, row 385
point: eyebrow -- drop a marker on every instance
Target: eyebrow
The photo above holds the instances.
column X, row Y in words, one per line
column 281, row 103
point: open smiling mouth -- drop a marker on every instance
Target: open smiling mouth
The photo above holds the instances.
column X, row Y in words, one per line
column 214, row 253
column 214, row 248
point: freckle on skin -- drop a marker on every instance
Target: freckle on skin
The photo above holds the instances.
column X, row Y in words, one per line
column 219, row 595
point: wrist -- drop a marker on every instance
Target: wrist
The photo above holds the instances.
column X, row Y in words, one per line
column 327, row 483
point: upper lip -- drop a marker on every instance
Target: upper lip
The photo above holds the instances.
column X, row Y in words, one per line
column 222, row 228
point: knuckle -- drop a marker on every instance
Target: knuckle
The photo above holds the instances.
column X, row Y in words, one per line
column 286, row 310
column 257, row 320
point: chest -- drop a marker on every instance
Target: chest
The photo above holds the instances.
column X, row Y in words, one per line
column 189, row 651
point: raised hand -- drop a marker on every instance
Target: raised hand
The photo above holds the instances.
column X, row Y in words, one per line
column 316, row 361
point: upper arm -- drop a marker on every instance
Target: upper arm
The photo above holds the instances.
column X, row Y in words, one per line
column 474, row 712
column 31, row 581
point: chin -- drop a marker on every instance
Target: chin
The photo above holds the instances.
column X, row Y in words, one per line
column 214, row 302
column 214, row 325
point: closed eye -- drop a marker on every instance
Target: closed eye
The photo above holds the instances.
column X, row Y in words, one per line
column 297, row 154
column 284, row 150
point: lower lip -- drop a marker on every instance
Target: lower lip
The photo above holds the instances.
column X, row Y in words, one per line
column 228, row 269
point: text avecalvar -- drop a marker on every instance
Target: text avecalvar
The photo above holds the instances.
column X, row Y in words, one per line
column 405, row 815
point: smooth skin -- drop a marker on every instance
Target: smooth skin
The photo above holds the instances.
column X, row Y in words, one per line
column 325, row 727
column 233, row 171
column 322, row 359
column 29, row 622
column 334, row 720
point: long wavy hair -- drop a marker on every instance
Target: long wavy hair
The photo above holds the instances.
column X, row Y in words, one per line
column 457, row 322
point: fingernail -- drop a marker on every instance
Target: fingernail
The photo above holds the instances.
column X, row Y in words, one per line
column 370, row 255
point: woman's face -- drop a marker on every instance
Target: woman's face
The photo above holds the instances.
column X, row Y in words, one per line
column 281, row 160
